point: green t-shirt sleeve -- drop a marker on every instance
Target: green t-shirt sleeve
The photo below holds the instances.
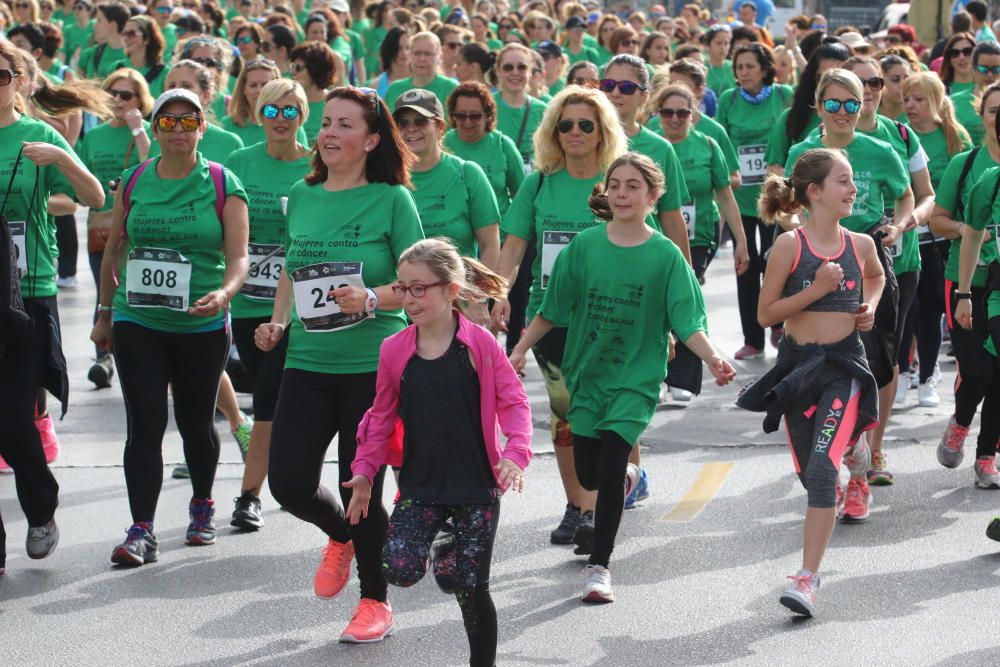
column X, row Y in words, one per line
column 300, row 136
column 778, row 143
column 234, row 187
column 55, row 180
column 685, row 304
column 897, row 178
column 515, row 164
column 946, row 195
column 520, row 217
column 676, row 190
column 720, row 171
column 732, row 159
column 406, row 229
column 482, row 202
column 980, row 203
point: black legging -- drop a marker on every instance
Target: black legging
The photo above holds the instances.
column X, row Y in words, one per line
column 263, row 369
column 312, row 409
column 68, row 245
column 924, row 319
column 188, row 364
column 518, row 297
column 600, row 466
column 748, row 284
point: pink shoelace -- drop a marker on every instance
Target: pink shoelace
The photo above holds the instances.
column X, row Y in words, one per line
column 988, row 465
column 803, row 582
column 956, row 437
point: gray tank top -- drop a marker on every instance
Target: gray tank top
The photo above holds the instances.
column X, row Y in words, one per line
column 847, row 297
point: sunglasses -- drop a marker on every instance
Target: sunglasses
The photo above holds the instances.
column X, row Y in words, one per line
column 21, row 5
column 875, row 83
column 271, row 111
column 418, row 122
column 189, row 122
column 506, row 26
column 164, row 10
column 629, row 42
column 966, row 51
column 453, row 45
column 244, row 40
column 208, row 62
column 510, row 67
column 624, row 87
column 466, row 117
column 297, row 67
column 983, row 69
column 131, row 33
column 585, row 82
column 894, row 39
column 416, row 289
column 565, row 126
column 6, row 76
column 123, row 95
column 259, row 63
column 850, row 106
column 189, row 5
column 670, row 113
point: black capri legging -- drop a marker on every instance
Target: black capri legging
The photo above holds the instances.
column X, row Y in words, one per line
column 263, row 369
column 748, row 284
column 312, row 409
column 600, row 466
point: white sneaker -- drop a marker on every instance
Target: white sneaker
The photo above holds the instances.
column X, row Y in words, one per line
column 927, row 395
column 632, row 473
column 69, row 282
column 914, row 378
column 901, row 388
column 800, row 597
column 858, row 458
column 597, row 585
column 681, row 395
column 664, row 392
column 936, row 375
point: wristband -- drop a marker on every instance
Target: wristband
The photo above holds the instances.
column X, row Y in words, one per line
column 962, row 295
column 105, row 309
column 371, row 303
column 137, row 131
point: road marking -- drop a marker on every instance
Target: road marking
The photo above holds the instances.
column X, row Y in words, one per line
column 709, row 481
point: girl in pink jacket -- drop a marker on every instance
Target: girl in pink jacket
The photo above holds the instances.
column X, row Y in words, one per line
column 445, row 390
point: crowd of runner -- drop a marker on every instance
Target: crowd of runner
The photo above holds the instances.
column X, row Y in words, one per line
column 375, row 211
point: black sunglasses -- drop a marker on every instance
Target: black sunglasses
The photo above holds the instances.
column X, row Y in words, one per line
column 123, row 95
column 625, row 87
column 459, row 117
column 670, row 113
column 510, row 67
column 967, row 51
column 565, row 126
column 418, row 122
column 875, row 83
column 6, row 76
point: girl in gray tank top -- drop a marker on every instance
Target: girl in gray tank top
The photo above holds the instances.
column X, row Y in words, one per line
column 847, row 297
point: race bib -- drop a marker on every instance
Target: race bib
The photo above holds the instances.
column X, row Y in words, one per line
column 896, row 249
column 553, row 244
column 267, row 262
column 924, row 235
column 17, row 234
column 157, row 278
column 688, row 213
column 312, row 286
column 753, row 166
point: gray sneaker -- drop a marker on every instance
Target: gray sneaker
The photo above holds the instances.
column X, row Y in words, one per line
column 181, row 471
column 800, row 596
column 949, row 450
column 987, row 476
column 42, row 540
column 858, row 458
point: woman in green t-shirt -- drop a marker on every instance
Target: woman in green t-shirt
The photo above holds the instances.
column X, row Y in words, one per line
column 37, row 163
column 748, row 111
column 956, row 67
column 720, row 68
column 339, row 271
column 267, row 170
column 180, row 226
column 453, row 196
column 240, row 118
column 315, row 67
column 706, row 176
column 948, row 220
column 932, row 118
column 518, row 114
column 144, row 51
column 620, row 289
column 895, row 70
column 579, row 137
column 216, row 144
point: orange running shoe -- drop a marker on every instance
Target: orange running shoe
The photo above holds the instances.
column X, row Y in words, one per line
column 372, row 622
column 334, row 570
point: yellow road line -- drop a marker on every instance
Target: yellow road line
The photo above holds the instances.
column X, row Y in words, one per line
column 710, row 480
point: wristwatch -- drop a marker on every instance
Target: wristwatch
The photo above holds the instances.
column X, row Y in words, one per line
column 371, row 302
column 962, row 295
column 137, row 131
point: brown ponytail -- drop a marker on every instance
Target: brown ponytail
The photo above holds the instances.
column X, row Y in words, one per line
column 66, row 99
column 787, row 195
column 476, row 281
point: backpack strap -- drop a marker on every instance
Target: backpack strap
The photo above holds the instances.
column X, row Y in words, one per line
column 905, row 133
column 218, row 174
column 154, row 72
column 966, row 168
column 126, row 207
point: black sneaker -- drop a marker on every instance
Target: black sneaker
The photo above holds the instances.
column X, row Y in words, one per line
column 101, row 372
column 443, row 559
column 139, row 547
column 584, row 536
column 42, row 540
column 563, row 534
column 246, row 516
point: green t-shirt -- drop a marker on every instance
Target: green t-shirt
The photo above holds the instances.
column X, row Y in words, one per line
column 217, row 144
column 373, row 42
column 313, row 125
column 455, row 200
column 721, row 78
column 967, row 115
column 660, row 151
column 619, row 304
column 957, row 87
column 877, row 170
column 705, row 172
column 75, row 37
column 556, row 209
column 587, row 53
column 947, row 197
column 748, row 126
column 36, row 243
column 710, row 128
column 175, row 215
column 984, row 213
column 935, row 145
column 103, row 151
column 91, row 69
column 266, row 180
column 156, row 84
column 342, row 45
column 170, row 36
column 252, row 133
column 778, row 143
column 603, row 56
column 497, row 155
column 440, row 86
column 373, row 225
column 510, row 121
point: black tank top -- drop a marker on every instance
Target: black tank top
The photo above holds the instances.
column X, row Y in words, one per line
column 847, row 297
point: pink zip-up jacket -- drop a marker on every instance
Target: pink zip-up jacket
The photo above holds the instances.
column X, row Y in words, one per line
column 503, row 404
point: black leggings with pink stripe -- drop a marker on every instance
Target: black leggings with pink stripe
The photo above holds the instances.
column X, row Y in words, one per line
column 820, row 426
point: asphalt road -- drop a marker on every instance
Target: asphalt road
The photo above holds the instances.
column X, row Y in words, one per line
column 697, row 570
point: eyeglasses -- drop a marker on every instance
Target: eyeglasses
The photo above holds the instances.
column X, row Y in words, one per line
column 983, row 69
column 966, row 51
column 208, row 62
column 189, row 122
column 6, row 76
column 565, row 126
column 876, row 83
column 473, row 117
column 850, row 106
column 670, row 113
column 131, row 33
column 624, row 87
column 416, row 289
column 244, row 40
column 418, row 122
column 123, row 95
column 266, row 47
column 271, row 111
column 510, row 67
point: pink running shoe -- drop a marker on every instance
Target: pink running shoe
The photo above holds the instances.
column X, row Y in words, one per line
column 748, row 352
column 47, row 430
column 372, row 622
column 4, row 468
column 334, row 570
column 949, row 450
column 857, row 506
